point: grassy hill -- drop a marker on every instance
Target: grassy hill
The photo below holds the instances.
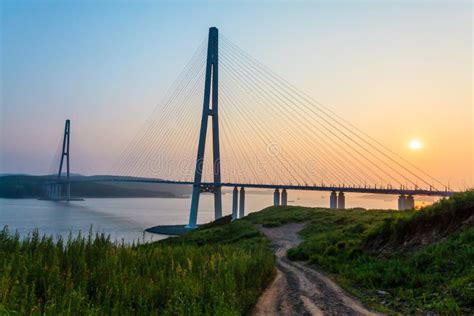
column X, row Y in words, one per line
column 396, row 262
column 407, row 262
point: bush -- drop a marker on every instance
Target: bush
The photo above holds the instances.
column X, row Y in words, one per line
column 297, row 254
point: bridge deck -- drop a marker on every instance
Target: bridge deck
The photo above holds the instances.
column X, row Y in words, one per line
column 372, row 190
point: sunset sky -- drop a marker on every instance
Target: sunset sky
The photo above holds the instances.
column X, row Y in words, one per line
column 399, row 70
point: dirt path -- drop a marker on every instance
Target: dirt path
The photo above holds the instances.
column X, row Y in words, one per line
column 298, row 289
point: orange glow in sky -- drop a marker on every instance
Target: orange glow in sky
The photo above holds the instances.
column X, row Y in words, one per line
column 399, row 71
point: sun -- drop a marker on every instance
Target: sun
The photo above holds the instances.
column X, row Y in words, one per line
column 415, row 144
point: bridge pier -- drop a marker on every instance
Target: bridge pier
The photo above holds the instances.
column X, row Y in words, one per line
column 401, row 202
column 333, row 200
column 341, row 201
column 235, row 200
column 242, row 203
column 409, row 202
column 276, row 198
column 284, row 198
column 54, row 191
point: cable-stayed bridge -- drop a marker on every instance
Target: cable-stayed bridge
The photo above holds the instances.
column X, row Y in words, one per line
column 250, row 128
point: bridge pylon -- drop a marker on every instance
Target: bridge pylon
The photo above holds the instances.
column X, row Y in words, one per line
column 210, row 108
column 65, row 153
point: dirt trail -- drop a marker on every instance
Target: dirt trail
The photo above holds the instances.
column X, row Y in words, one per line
column 298, row 289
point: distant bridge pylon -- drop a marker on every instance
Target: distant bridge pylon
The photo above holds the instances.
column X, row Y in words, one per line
column 54, row 189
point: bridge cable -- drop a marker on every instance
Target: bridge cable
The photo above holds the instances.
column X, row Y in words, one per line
column 301, row 94
column 345, row 135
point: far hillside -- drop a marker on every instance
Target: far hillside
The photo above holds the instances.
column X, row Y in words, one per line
column 28, row 186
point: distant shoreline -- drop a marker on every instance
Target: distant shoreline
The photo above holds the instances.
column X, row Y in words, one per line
column 95, row 197
column 32, row 187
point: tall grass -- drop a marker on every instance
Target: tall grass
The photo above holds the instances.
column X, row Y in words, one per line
column 91, row 275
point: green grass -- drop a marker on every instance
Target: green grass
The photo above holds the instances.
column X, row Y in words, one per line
column 221, row 268
column 204, row 272
column 364, row 251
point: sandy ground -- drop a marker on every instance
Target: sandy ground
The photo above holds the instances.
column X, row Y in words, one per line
column 298, row 289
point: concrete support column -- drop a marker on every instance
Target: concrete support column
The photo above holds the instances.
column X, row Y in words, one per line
column 284, row 198
column 341, row 201
column 409, row 202
column 235, row 201
column 242, row 203
column 401, row 202
column 333, row 200
column 276, row 198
